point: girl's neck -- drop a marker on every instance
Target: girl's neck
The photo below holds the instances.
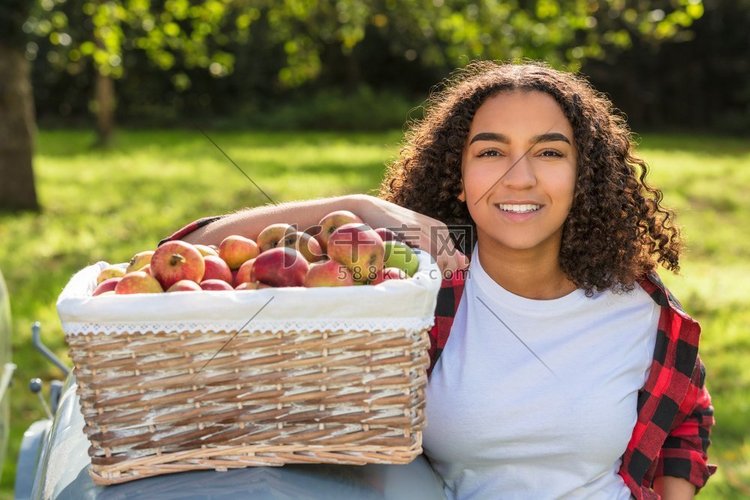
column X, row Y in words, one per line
column 530, row 274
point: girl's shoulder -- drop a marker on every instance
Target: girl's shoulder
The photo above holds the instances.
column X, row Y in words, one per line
column 657, row 290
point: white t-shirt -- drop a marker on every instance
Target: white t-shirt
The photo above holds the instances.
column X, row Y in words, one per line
column 537, row 398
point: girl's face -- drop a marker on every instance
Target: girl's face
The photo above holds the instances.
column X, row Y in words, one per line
column 519, row 172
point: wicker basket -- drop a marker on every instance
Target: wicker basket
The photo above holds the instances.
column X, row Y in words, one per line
column 219, row 380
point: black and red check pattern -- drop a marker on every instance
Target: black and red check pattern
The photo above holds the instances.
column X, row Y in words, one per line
column 675, row 415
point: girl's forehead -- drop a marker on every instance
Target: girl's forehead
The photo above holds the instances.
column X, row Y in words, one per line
column 520, row 110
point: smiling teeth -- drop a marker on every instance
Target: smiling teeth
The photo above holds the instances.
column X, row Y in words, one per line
column 520, row 209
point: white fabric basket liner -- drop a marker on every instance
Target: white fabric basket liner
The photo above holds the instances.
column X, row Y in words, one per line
column 394, row 304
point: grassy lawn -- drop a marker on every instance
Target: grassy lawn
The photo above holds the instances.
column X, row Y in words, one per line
column 108, row 205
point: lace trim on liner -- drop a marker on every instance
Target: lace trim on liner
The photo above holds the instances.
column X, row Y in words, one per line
column 273, row 326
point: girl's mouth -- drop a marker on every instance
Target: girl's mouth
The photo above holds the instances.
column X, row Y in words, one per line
column 524, row 208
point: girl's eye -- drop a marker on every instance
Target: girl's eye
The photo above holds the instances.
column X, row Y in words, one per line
column 551, row 153
column 489, row 152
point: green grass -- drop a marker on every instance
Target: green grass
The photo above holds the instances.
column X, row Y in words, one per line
column 108, row 205
column 704, row 179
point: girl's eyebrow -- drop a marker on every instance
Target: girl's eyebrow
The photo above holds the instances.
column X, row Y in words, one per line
column 490, row 136
column 496, row 137
column 550, row 137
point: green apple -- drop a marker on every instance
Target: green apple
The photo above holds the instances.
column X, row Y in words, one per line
column 400, row 255
column 110, row 272
column 139, row 260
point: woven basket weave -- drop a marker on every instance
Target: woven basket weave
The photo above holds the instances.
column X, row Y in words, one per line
column 159, row 400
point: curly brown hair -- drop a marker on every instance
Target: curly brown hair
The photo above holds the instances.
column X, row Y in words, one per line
column 617, row 229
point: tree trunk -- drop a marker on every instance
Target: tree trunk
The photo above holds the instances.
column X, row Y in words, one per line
column 17, row 129
column 105, row 108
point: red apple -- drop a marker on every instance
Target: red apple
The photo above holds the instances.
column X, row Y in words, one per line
column 244, row 273
column 389, row 273
column 272, row 235
column 328, row 273
column 331, row 222
column 139, row 260
column 106, row 286
column 386, row 234
column 305, row 244
column 216, row 268
column 281, row 266
column 185, row 286
column 359, row 248
column 214, row 284
column 177, row 260
column 236, row 249
column 138, row 282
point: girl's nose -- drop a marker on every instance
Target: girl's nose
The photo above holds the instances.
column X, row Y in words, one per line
column 520, row 174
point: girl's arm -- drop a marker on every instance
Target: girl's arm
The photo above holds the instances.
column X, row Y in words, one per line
column 674, row 488
column 250, row 222
column 682, row 467
column 419, row 230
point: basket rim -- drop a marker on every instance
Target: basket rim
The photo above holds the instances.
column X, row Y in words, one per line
column 408, row 303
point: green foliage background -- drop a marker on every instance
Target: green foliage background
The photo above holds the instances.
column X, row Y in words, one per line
column 666, row 63
column 108, row 205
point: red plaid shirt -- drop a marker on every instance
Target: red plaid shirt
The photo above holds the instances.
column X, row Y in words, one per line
column 675, row 414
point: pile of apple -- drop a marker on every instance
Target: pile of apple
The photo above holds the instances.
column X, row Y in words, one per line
column 340, row 251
